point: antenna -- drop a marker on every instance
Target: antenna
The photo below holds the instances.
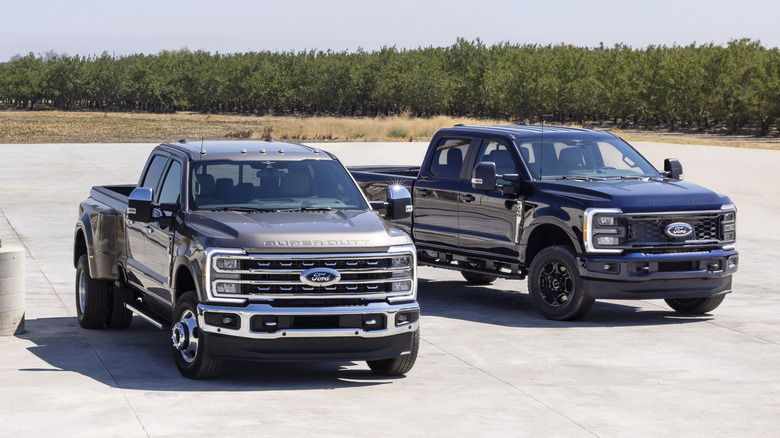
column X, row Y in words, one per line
column 541, row 151
column 202, row 151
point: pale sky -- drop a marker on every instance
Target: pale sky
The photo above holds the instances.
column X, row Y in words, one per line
column 84, row 27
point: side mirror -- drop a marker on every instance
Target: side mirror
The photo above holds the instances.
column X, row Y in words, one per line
column 139, row 205
column 673, row 169
column 399, row 202
column 484, row 176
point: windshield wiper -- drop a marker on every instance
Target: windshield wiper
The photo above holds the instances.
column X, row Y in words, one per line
column 245, row 209
column 579, row 178
column 311, row 208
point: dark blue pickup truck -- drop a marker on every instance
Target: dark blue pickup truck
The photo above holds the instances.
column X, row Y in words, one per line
column 578, row 212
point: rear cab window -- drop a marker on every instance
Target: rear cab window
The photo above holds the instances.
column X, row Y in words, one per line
column 448, row 158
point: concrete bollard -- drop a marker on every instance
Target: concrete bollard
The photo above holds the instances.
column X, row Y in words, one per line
column 11, row 290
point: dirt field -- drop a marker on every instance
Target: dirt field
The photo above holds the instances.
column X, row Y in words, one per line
column 25, row 127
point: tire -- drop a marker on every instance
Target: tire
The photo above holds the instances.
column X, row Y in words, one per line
column 400, row 365
column 91, row 297
column 556, row 288
column 120, row 316
column 190, row 351
column 475, row 278
column 695, row 306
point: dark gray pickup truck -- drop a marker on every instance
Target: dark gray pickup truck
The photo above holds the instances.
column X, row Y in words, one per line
column 578, row 212
column 250, row 251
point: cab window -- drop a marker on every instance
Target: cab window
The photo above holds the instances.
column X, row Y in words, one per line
column 448, row 157
column 498, row 153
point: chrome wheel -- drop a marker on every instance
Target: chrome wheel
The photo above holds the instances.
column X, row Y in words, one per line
column 185, row 336
column 82, row 291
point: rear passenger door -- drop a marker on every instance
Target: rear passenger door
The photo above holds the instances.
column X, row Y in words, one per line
column 139, row 272
column 489, row 220
column 436, row 193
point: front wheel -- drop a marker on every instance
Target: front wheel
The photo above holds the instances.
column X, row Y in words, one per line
column 556, row 288
column 189, row 344
column 695, row 306
column 398, row 365
column 91, row 297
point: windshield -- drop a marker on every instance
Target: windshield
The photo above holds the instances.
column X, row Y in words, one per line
column 273, row 185
column 603, row 158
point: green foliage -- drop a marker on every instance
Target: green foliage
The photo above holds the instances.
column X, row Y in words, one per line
column 692, row 86
column 398, row 133
column 356, row 135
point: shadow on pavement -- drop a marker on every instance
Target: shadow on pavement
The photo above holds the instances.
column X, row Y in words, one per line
column 139, row 357
column 493, row 305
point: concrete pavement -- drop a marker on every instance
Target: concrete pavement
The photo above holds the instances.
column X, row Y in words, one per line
column 488, row 365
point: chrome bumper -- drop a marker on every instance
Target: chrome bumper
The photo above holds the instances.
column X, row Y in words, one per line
column 238, row 321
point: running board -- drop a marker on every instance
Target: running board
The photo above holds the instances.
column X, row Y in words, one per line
column 148, row 316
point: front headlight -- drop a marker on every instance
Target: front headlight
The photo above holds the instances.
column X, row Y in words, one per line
column 403, row 262
column 221, row 275
column 728, row 223
column 604, row 230
column 227, row 263
column 403, row 266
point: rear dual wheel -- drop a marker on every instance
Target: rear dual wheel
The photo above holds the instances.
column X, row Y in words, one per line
column 98, row 302
column 475, row 278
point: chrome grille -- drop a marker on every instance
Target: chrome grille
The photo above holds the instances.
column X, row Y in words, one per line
column 366, row 277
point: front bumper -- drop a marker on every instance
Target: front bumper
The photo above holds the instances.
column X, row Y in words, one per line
column 263, row 332
column 648, row 276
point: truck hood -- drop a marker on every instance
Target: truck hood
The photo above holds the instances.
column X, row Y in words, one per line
column 655, row 194
column 303, row 230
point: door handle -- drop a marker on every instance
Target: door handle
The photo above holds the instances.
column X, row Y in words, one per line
column 423, row 192
column 467, row 198
column 148, row 230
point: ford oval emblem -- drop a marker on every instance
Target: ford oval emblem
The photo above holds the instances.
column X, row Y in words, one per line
column 320, row 277
column 678, row 230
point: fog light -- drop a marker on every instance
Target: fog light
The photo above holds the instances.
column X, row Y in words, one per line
column 733, row 262
column 403, row 318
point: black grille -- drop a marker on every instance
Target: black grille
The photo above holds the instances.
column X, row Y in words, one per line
column 302, row 264
column 651, row 229
column 303, row 289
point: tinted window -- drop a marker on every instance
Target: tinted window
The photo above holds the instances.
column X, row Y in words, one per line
column 272, row 185
column 448, row 158
column 155, row 171
column 169, row 193
column 497, row 153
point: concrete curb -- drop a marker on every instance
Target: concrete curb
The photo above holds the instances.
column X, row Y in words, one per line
column 11, row 290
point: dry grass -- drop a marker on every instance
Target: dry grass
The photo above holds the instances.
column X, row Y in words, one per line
column 99, row 127
column 102, row 127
